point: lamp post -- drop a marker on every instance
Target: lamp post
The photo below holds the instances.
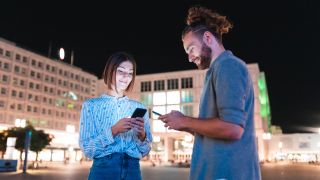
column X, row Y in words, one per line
column 26, row 148
column 22, row 123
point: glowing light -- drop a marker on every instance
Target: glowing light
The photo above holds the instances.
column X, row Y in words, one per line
column 70, row 128
column 20, row 123
column 156, row 139
column 188, row 138
column 70, row 148
column 61, row 53
column 266, row 136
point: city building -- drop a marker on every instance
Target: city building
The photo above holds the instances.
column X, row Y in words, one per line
column 48, row 93
column 300, row 147
column 45, row 92
column 181, row 90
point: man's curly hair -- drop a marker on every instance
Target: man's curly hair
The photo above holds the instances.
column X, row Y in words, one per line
column 201, row 19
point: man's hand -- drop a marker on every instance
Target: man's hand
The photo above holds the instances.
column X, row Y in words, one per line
column 174, row 120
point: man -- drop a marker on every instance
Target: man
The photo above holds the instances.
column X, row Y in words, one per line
column 224, row 145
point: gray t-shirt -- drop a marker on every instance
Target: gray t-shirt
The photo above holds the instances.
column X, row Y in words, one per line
column 227, row 95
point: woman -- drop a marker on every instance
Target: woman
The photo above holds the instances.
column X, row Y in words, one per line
column 108, row 135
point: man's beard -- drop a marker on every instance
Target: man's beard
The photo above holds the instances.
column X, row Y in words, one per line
column 205, row 57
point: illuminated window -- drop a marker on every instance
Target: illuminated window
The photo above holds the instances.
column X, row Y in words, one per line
column 159, row 98
column 158, row 85
column 70, row 106
column 158, row 126
column 187, row 110
column 60, row 102
column 173, row 97
column 186, row 83
column 70, row 128
column 146, row 99
column 173, row 84
column 186, row 96
column 173, row 107
column 70, row 95
column 159, row 109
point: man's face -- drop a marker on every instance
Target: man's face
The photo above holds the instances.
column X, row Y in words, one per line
column 198, row 52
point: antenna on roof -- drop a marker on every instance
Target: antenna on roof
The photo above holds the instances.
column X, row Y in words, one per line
column 72, row 58
column 49, row 51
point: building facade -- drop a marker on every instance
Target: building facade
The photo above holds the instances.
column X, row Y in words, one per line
column 181, row 90
column 45, row 92
column 300, row 147
column 49, row 93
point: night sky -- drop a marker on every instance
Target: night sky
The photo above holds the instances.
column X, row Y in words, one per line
column 279, row 35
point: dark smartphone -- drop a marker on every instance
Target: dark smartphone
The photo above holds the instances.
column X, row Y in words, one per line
column 156, row 113
column 138, row 112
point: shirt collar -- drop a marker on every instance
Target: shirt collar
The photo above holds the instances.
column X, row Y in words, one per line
column 113, row 97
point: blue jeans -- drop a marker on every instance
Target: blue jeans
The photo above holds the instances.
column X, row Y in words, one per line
column 116, row 166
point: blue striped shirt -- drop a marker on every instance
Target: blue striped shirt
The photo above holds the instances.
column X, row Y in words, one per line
column 97, row 117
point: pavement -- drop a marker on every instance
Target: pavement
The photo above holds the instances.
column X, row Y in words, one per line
column 77, row 171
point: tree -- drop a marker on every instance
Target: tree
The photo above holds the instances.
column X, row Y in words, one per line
column 39, row 140
column 20, row 134
column 3, row 143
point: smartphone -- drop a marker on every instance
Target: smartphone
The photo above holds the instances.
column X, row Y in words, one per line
column 156, row 113
column 138, row 112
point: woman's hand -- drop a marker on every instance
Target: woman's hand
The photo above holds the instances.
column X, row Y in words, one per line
column 123, row 125
column 138, row 124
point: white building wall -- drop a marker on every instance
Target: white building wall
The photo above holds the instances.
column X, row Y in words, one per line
column 55, row 100
column 198, row 82
column 304, row 146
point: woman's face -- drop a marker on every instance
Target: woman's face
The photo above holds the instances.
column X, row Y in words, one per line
column 124, row 74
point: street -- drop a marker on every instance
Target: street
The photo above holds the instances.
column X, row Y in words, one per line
column 78, row 172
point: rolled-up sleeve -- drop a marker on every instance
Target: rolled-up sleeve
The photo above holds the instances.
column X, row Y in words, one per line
column 231, row 88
